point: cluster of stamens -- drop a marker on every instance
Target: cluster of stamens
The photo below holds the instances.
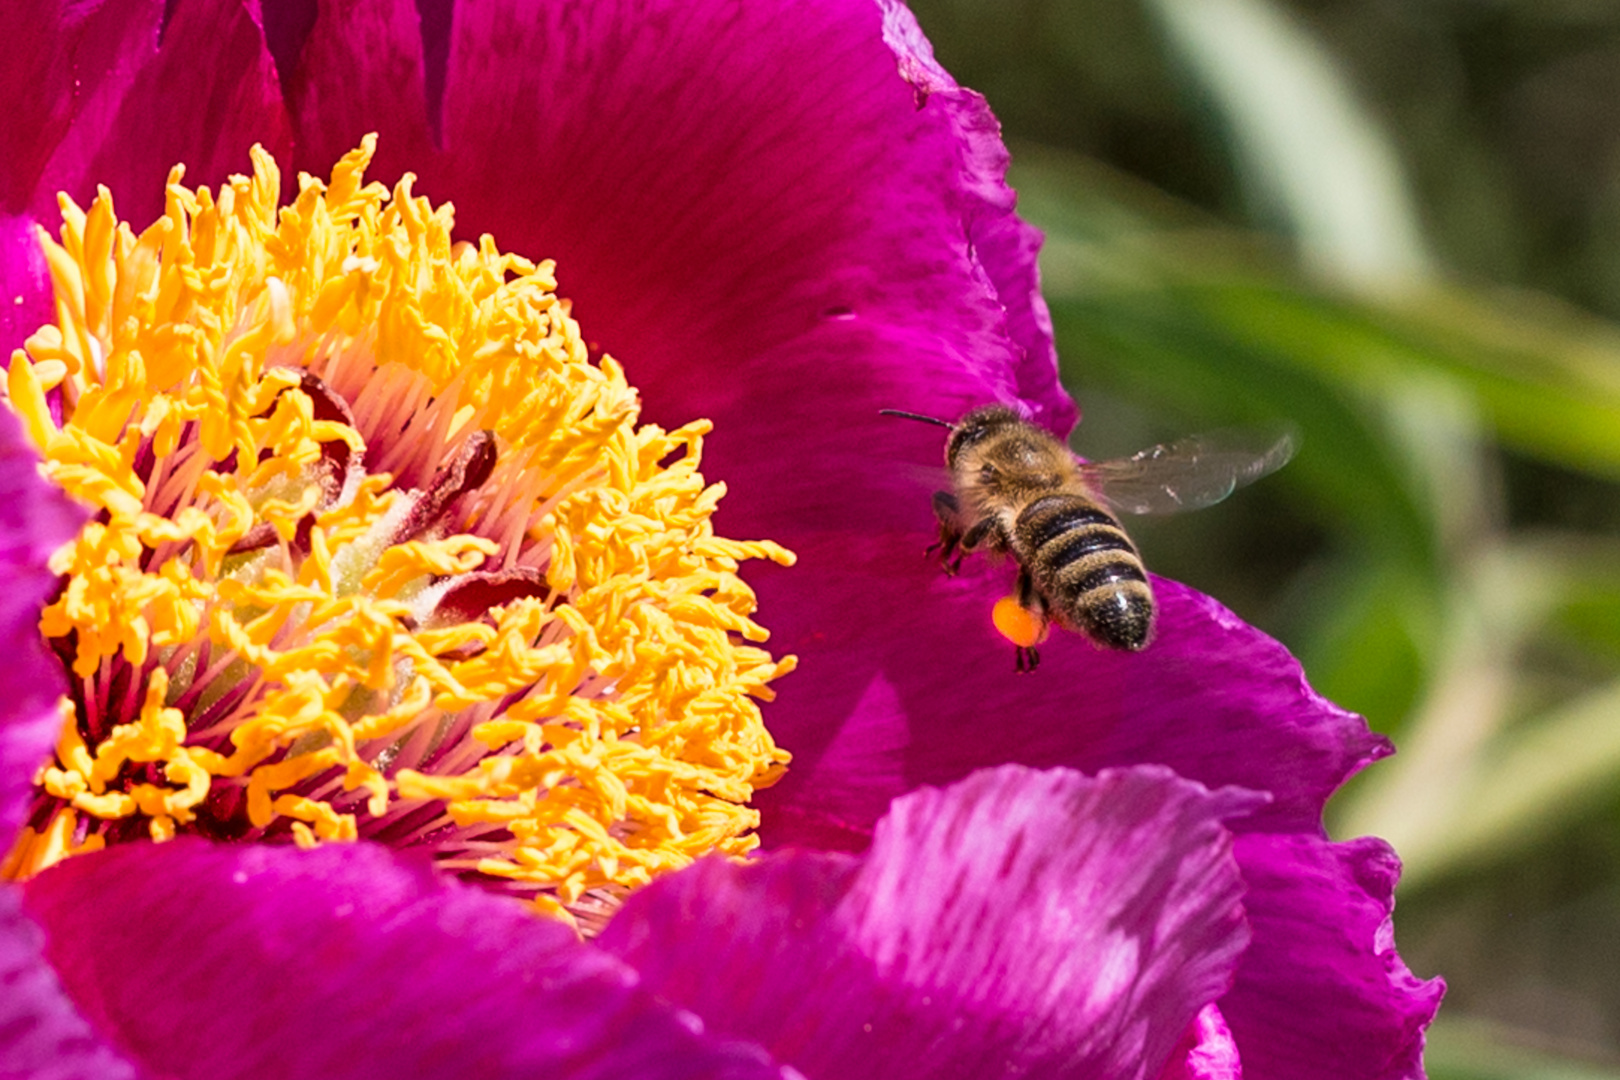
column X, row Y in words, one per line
column 378, row 551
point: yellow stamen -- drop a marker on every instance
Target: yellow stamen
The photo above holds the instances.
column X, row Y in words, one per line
column 313, row 433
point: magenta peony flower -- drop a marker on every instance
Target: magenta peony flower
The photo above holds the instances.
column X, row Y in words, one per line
column 780, row 217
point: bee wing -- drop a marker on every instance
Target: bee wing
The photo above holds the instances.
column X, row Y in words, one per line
column 1190, row 473
column 932, row 477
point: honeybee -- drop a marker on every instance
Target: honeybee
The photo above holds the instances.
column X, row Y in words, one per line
column 1016, row 489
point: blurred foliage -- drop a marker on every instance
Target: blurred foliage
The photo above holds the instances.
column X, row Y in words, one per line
column 1461, row 1050
column 1391, row 223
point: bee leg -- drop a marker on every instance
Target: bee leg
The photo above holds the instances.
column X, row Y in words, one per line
column 985, row 533
column 1030, row 599
column 946, row 509
column 984, row 529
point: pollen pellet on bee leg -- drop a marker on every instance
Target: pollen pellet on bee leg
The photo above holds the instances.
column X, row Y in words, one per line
column 1018, row 624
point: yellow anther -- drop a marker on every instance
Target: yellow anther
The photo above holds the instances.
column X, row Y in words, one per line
column 114, row 804
column 408, row 562
column 328, row 823
column 410, row 707
column 36, row 850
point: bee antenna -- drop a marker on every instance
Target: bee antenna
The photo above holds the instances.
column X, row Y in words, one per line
column 916, row 416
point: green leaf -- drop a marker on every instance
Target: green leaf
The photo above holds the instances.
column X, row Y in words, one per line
column 1137, row 270
column 1460, row 1048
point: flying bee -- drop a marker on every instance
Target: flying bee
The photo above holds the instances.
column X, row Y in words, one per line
column 1016, row 489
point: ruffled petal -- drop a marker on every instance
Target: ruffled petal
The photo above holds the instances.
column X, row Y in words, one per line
column 193, row 85
column 1017, row 924
column 1004, row 246
column 1207, row 1051
column 42, row 1036
column 262, row 962
column 35, row 519
column 923, row 690
column 1322, row 992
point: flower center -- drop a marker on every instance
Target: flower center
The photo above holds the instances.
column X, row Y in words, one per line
column 378, row 552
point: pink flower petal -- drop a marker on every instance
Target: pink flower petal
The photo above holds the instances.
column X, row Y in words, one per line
column 36, row 83
column 361, row 71
column 262, row 962
column 42, row 1036
column 1207, row 1051
column 1312, row 998
column 25, row 284
column 35, row 519
column 198, row 87
column 841, row 216
column 887, row 702
column 1018, row 924
column 1004, row 246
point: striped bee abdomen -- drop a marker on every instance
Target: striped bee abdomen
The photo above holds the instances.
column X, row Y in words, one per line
column 1086, row 568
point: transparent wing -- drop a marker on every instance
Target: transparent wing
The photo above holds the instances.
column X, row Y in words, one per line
column 1190, row 473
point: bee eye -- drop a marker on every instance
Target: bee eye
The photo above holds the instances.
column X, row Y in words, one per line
column 987, row 474
column 969, row 434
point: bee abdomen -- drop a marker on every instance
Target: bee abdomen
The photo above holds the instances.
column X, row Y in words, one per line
column 1087, row 569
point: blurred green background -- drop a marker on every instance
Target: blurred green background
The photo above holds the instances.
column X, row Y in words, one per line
column 1395, row 224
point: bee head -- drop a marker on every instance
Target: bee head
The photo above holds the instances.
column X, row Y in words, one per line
column 977, row 426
